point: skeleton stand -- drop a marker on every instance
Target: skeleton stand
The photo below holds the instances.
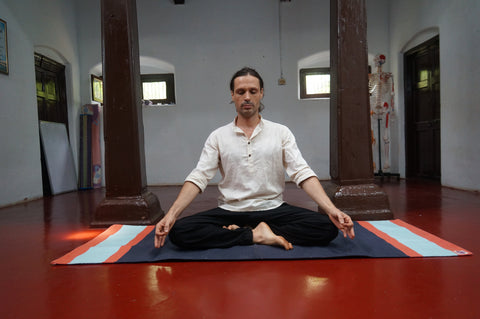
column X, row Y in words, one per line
column 380, row 172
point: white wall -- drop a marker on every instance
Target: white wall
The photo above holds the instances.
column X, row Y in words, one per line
column 206, row 42
column 47, row 27
column 20, row 170
column 457, row 24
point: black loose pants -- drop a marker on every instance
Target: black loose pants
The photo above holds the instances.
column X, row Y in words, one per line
column 297, row 225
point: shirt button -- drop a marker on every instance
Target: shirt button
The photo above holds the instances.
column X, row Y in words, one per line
column 249, row 155
column 248, row 143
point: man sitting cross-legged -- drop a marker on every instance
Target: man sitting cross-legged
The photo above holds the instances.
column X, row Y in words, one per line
column 252, row 155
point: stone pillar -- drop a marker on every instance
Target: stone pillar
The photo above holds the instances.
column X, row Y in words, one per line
column 127, row 199
column 352, row 188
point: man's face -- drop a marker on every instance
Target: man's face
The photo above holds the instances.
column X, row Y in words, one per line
column 247, row 95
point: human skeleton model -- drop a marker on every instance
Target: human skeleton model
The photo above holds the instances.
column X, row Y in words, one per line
column 381, row 111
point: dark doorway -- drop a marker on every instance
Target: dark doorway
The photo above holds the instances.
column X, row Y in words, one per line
column 422, row 110
column 51, row 101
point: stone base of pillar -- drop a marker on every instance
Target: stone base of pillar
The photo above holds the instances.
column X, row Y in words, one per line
column 143, row 209
column 361, row 202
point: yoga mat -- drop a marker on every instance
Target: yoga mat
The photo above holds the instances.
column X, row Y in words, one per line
column 374, row 239
column 85, row 157
column 93, row 148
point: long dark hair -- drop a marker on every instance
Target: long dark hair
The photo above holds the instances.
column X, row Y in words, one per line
column 246, row 71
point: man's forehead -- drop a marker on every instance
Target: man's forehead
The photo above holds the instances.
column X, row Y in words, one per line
column 246, row 81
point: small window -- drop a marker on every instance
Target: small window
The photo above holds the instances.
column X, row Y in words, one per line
column 158, row 88
column 314, row 83
column 97, row 88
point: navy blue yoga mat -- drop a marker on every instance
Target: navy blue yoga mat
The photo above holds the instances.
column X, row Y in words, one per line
column 374, row 239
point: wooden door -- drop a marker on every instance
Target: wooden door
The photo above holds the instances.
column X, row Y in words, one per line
column 422, row 110
column 51, row 100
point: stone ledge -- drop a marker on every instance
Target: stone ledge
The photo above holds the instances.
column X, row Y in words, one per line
column 361, row 201
column 143, row 209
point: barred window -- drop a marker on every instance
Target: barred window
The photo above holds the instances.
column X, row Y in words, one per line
column 314, row 83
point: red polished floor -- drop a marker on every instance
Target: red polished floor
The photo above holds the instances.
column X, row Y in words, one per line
column 34, row 233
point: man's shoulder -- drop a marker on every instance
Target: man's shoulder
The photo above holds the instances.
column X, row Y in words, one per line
column 275, row 125
column 222, row 130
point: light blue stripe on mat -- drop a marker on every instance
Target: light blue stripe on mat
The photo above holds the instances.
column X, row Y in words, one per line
column 108, row 247
column 413, row 241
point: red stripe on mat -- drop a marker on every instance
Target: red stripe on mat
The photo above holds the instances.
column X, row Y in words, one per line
column 434, row 239
column 83, row 248
column 392, row 241
column 125, row 248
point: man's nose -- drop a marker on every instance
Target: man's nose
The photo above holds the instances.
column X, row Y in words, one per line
column 247, row 96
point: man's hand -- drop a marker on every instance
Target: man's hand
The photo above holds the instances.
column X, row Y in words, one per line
column 343, row 222
column 162, row 229
column 315, row 190
column 187, row 194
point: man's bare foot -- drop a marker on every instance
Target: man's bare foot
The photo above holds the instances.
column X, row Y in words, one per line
column 263, row 234
column 231, row 227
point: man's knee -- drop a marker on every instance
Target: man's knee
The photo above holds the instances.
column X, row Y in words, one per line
column 178, row 234
column 326, row 234
column 331, row 233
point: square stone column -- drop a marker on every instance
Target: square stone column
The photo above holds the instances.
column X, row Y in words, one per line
column 127, row 199
column 352, row 188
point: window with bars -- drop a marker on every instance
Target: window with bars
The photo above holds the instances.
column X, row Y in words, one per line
column 158, row 88
column 314, row 83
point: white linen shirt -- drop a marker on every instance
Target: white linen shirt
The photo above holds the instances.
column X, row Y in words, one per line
column 252, row 169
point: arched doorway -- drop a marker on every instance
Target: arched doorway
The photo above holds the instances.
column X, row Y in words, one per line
column 422, row 110
column 51, row 101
